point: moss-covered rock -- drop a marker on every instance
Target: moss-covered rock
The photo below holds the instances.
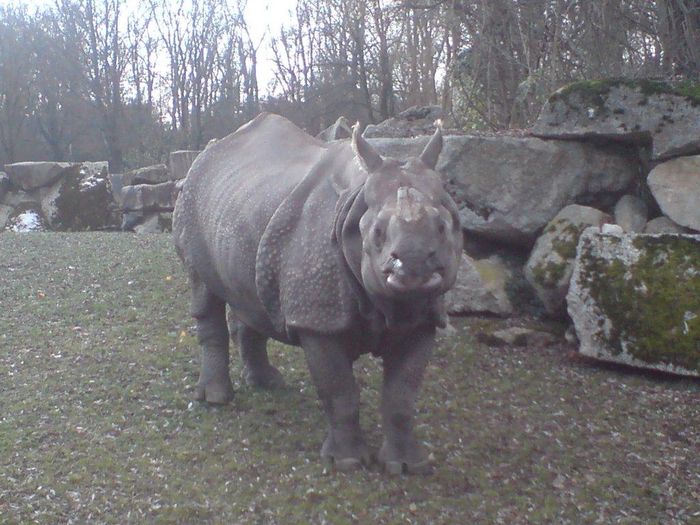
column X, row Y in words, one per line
column 667, row 115
column 635, row 299
column 549, row 267
column 81, row 200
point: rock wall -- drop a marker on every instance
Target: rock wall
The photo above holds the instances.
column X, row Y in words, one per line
column 620, row 156
column 60, row 196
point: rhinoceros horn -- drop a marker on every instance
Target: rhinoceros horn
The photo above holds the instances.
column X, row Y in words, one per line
column 368, row 156
column 409, row 207
column 432, row 150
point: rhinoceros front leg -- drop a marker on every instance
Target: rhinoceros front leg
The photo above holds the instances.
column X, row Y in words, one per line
column 330, row 365
column 214, row 385
column 404, row 366
column 257, row 370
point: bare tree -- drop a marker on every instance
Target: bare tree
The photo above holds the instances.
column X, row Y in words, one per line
column 92, row 32
column 16, row 59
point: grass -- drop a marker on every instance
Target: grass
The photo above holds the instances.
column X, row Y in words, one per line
column 98, row 362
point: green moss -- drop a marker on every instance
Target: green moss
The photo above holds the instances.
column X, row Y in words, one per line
column 654, row 305
column 566, row 241
column 550, row 274
column 565, row 237
column 594, row 91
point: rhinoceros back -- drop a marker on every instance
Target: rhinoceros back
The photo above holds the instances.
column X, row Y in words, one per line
column 251, row 223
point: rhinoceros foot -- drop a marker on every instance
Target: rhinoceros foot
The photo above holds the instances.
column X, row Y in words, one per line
column 268, row 378
column 345, row 457
column 215, row 392
column 404, row 460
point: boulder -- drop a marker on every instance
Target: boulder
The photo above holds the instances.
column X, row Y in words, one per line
column 508, row 188
column 5, row 185
column 5, row 212
column 31, row 175
column 98, row 169
column 116, row 185
column 637, row 111
column 156, row 174
column 149, row 197
column 180, row 161
column 631, row 214
column 17, row 199
column 663, row 225
column 340, row 129
column 147, row 222
column 480, row 288
column 415, row 121
column 676, row 187
column 149, row 225
column 80, row 200
column 551, row 262
column 635, row 299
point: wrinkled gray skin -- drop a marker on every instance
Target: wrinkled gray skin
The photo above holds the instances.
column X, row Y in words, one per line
column 326, row 246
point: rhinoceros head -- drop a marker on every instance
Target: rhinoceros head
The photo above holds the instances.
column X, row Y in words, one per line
column 410, row 239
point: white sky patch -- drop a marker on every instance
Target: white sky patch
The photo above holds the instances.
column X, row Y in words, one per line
column 264, row 19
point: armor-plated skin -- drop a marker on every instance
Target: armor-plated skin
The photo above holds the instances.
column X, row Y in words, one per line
column 329, row 247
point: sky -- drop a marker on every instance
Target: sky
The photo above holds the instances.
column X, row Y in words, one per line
column 264, row 18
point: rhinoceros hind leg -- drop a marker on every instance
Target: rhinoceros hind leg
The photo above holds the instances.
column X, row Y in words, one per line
column 257, row 370
column 331, row 370
column 214, row 385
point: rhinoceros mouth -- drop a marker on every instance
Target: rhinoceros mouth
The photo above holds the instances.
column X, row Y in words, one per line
column 413, row 283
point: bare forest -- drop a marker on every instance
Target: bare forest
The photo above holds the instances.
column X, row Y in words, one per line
column 101, row 79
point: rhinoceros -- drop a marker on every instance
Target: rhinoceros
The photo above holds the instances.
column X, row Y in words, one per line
column 327, row 246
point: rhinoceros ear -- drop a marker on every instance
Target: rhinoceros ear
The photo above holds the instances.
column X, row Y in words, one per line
column 368, row 156
column 433, row 148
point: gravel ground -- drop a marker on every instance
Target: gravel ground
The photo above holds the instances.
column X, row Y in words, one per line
column 97, row 366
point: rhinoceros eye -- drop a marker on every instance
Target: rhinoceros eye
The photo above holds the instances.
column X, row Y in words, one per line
column 441, row 228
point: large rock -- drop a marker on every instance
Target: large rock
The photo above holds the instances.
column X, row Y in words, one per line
column 480, row 288
column 116, row 186
column 663, row 225
column 551, row 262
column 31, row 175
column 509, row 188
column 5, row 185
column 631, row 214
column 80, row 200
column 415, row 121
column 635, row 299
column 639, row 111
column 676, row 187
column 155, row 174
column 149, row 197
column 179, row 163
column 340, row 129
column 5, row 212
column 18, row 199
